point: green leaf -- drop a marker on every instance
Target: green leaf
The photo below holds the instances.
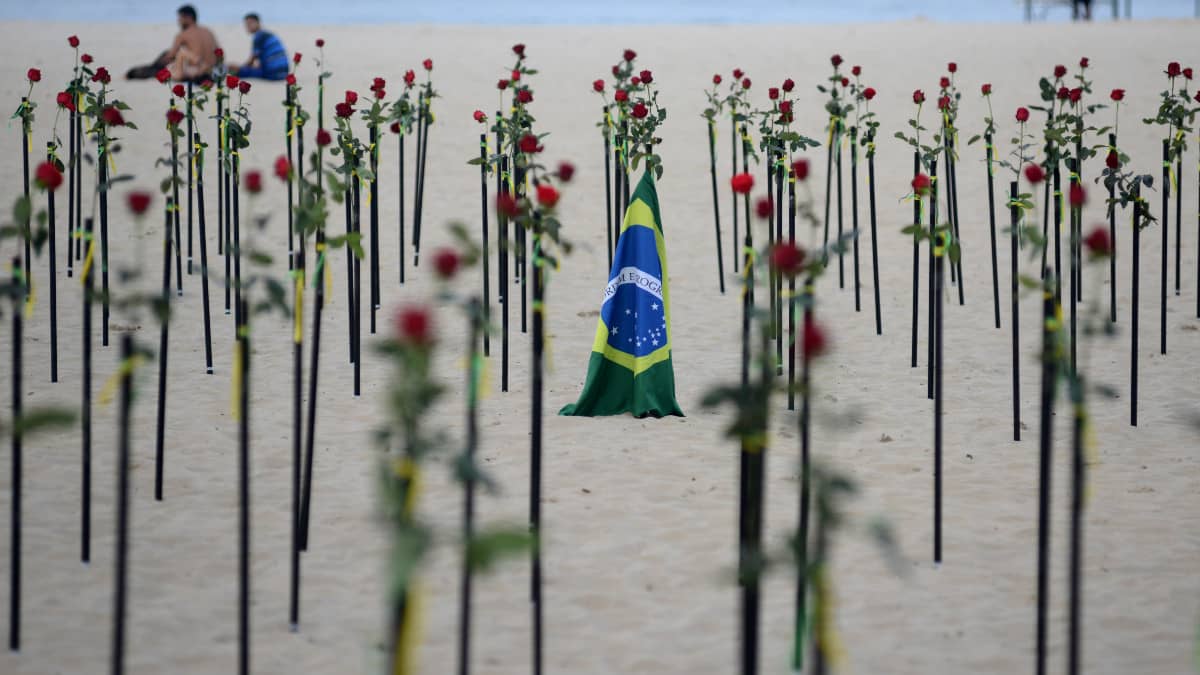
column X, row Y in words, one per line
column 40, row 419
column 490, row 547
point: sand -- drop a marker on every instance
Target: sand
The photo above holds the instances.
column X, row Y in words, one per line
column 639, row 514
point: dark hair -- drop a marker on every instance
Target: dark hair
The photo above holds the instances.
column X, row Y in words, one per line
column 188, row 11
column 252, row 15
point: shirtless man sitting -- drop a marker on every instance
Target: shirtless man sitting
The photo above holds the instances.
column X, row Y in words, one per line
column 193, row 54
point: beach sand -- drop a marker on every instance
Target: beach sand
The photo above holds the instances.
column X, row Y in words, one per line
column 639, row 515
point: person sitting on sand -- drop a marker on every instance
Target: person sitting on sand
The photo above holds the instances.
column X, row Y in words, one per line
column 268, row 58
column 192, row 56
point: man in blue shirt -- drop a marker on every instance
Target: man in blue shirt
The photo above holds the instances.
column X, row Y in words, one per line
column 268, row 58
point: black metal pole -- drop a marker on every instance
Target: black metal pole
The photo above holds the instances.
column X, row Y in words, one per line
column 26, row 141
column 938, row 311
column 297, row 435
column 608, row 210
column 502, row 289
column 53, row 274
column 222, row 186
column 1137, row 278
column 1078, row 469
column 191, row 176
column 175, row 200
column 733, row 157
column 164, row 321
column 473, row 373
column 85, row 412
column 226, row 172
column 373, row 189
column 287, row 137
column 122, row 525
column 358, row 295
column 71, row 187
column 1112, row 239
column 801, row 618
column 14, row 578
column 952, row 212
column 916, row 295
column 992, row 229
column 208, row 353
column 712, row 166
column 486, row 305
column 1014, row 284
column 931, row 343
column 103, row 174
column 854, row 214
column 1045, row 465
column 400, row 189
column 874, row 238
column 1166, row 226
column 243, row 341
column 841, row 249
column 535, row 475
column 791, row 305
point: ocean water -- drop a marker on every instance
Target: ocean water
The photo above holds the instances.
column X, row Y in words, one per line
column 585, row 11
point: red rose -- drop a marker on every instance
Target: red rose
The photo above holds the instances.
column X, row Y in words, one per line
column 952, row 67
column 1197, row 97
column 253, row 182
column 231, row 81
column 763, row 207
column 163, row 76
column 742, row 183
column 1064, row 93
column 943, row 102
column 1097, row 243
column 445, row 263
column 1077, row 195
column 630, row 55
column 291, row 80
column 65, row 100
column 1035, row 174
column 395, row 127
column 283, row 168
column 138, row 201
column 598, row 86
column 921, row 184
column 745, row 83
column 944, row 83
column 565, row 171
column 529, row 144
column 616, row 70
column 86, row 58
column 174, row 117
column 47, row 176
column 378, row 83
column 507, row 206
column 788, row 84
column 640, row 110
column 918, row 97
column 323, row 138
column 219, row 53
column 621, row 96
column 479, row 116
column 380, row 93
column 1059, row 72
column 296, row 58
column 716, row 79
column 737, row 73
column 409, row 77
column 516, row 75
column 773, row 93
column 986, row 89
column 519, row 50
column 1076, row 94
column 244, row 87
column 845, row 81
column 1084, row 63
column 502, row 85
column 1022, row 114
column 787, row 258
column 206, row 85
column 800, row 169
column 1113, row 160
column 785, row 107
column 179, row 91
column 836, row 60
column 647, row 76
column 1173, row 69
column 351, row 97
column 547, row 196
column 856, row 71
column 635, row 80
column 73, row 41
column 320, row 43
column 102, row 76
column 813, row 340
column 428, row 63
column 525, row 96
column 343, row 110
column 1187, row 72
column 112, row 117
column 414, row 326
column 33, row 75
column 869, row 93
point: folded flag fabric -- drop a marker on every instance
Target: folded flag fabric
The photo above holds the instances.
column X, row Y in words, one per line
column 630, row 367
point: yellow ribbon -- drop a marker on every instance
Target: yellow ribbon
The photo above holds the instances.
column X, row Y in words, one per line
column 298, row 331
column 125, row 368
column 87, row 260
column 235, row 382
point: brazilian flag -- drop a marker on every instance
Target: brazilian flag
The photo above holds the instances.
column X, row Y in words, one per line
column 630, row 368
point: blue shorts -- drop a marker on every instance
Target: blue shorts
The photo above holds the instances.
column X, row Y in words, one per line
column 262, row 74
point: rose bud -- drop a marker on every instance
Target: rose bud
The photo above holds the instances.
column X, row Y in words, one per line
column 507, row 206
column 1187, row 72
column 598, row 86
column 640, row 110
column 206, row 85
column 952, row 67
column 138, row 201
column 944, row 83
column 621, row 96
column 616, row 70
column 986, row 90
column 112, row 117
column 800, row 170
column 716, row 79
column 525, row 96
column 737, row 73
column 73, row 40
column 47, row 176
column 1097, row 243
column 343, row 110
column 414, row 326
column 635, row 80
column 918, row 97
column 515, row 76
column 102, row 76
column 856, row 71
column 1035, row 174
column 845, row 81
column 773, row 93
column 921, row 184
column 395, row 127
column 1063, row 93
column 1113, row 160
column 378, row 83
column 219, row 53
column 565, row 171
column 647, row 76
column 296, row 58
column 65, row 100
column 869, row 93
column 1084, row 62
column 479, row 116
column 409, row 77
column 1076, row 94
column 502, row 85
column 763, row 207
column 547, row 195
column 163, row 76
column 813, row 341
column 787, row 258
column 291, row 80
column 283, row 168
column 1197, row 97
column 742, row 183
column 785, row 107
column 630, row 55
column 85, row 58
column 529, row 144
column 445, row 263
column 1059, row 72
column 231, row 81
column 323, row 137
column 380, row 93
column 745, row 83
column 174, row 117
column 836, row 60
column 1173, row 69
column 244, row 86
column 320, row 43
column 943, row 102
column 1022, row 114
column 519, row 50
column 34, row 75
column 1077, row 195
column 351, row 97
column 254, row 182
column 428, row 63
column 788, row 84
column 179, row 91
